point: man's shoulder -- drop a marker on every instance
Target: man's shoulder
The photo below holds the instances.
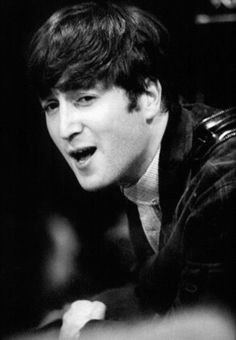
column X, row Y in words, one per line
column 200, row 111
column 214, row 129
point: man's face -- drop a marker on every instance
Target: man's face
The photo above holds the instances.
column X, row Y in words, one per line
column 100, row 139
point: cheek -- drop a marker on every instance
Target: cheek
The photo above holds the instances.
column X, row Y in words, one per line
column 123, row 146
column 55, row 137
column 53, row 131
column 49, row 128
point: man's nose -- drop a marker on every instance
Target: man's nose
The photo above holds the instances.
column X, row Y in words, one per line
column 70, row 121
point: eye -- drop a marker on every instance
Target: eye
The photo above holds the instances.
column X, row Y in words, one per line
column 85, row 100
column 50, row 107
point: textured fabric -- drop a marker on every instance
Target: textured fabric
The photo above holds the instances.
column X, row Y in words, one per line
column 145, row 195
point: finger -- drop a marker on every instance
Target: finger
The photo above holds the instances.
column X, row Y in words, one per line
column 98, row 310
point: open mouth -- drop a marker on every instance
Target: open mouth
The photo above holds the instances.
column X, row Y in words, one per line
column 83, row 154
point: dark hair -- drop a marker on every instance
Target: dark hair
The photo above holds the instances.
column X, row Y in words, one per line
column 90, row 42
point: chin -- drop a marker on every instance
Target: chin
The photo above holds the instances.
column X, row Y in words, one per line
column 92, row 186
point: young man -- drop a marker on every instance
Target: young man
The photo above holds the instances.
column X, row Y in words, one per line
column 100, row 72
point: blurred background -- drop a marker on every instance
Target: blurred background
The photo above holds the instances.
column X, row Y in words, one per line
column 58, row 242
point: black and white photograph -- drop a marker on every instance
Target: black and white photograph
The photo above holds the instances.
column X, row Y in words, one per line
column 119, row 170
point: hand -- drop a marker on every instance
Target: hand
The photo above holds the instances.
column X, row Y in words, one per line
column 79, row 313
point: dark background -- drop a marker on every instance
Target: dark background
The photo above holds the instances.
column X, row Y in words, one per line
column 37, row 183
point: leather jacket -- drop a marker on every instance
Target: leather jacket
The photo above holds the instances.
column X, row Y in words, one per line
column 197, row 191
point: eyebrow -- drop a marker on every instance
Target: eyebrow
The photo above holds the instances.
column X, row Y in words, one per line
column 99, row 87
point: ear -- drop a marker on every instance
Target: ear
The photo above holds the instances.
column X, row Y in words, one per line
column 151, row 99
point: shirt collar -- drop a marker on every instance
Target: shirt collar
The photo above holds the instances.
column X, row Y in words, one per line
column 145, row 191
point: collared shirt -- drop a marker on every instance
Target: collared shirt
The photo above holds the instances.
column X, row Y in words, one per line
column 145, row 195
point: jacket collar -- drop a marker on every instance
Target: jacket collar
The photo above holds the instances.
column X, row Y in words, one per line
column 174, row 156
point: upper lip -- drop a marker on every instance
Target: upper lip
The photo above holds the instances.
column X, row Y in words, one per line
column 80, row 148
column 75, row 151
